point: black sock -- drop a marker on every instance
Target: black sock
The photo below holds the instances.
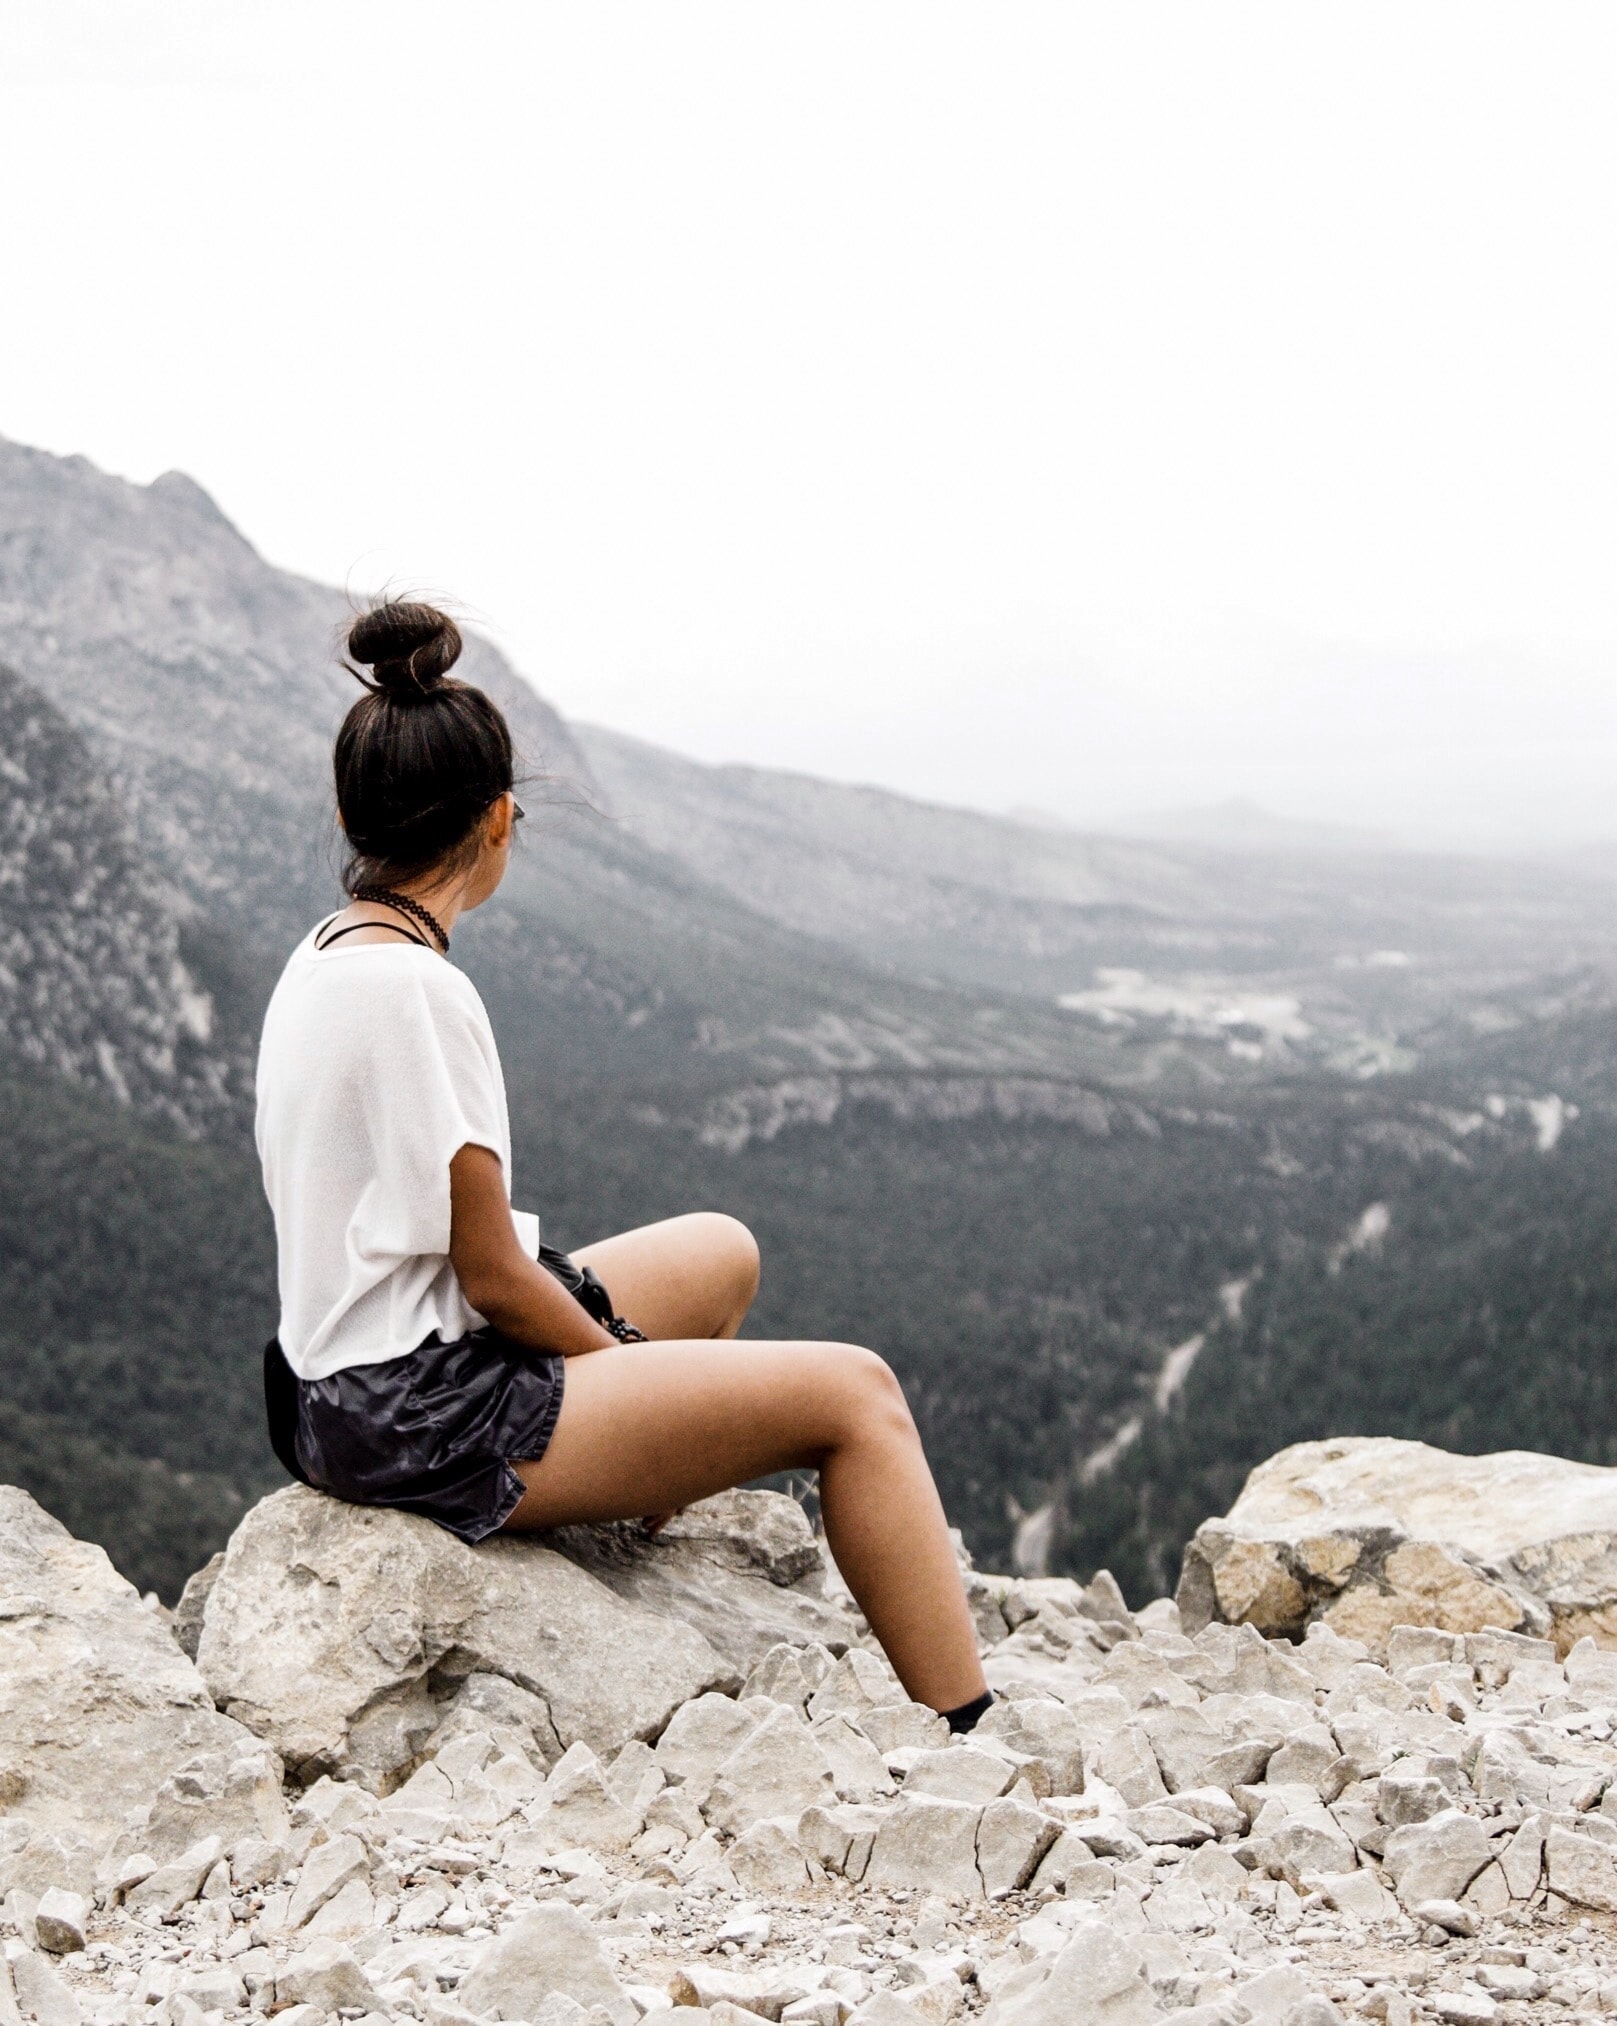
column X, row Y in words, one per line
column 969, row 1714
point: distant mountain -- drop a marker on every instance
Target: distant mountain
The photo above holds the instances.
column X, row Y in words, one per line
column 1385, row 952
column 205, row 680
column 1242, row 825
column 909, row 885
column 207, row 686
column 93, row 984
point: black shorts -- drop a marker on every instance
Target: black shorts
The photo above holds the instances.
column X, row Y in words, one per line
column 436, row 1431
column 433, row 1432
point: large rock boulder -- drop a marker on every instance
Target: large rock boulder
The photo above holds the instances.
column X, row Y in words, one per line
column 1365, row 1533
column 98, row 1705
column 340, row 1633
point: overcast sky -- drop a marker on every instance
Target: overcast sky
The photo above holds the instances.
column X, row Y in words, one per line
column 1090, row 408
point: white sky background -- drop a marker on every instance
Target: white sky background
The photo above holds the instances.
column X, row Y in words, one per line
column 1096, row 408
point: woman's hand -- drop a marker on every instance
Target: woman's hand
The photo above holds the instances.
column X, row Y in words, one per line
column 505, row 1286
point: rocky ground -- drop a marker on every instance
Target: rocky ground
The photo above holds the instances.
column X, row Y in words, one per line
column 595, row 1781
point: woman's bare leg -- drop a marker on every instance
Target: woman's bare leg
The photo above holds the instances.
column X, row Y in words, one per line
column 657, row 1426
column 692, row 1276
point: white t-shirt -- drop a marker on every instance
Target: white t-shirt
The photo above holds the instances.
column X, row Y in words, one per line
column 377, row 1065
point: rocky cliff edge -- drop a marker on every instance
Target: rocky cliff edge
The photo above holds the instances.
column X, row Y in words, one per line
column 593, row 1779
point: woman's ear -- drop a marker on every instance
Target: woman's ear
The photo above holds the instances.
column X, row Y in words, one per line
column 501, row 821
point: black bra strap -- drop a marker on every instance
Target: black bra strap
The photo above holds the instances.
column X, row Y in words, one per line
column 395, row 927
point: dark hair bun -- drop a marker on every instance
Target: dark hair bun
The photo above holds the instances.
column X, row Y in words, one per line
column 409, row 648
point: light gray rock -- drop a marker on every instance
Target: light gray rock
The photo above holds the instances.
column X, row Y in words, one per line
column 176, row 1883
column 1127, row 1762
column 1098, row 1710
column 743, row 1569
column 759, row 1993
column 1464, row 2008
column 328, row 1867
column 1164, row 1823
column 1412, row 1796
column 790, row 1674
column 859, row 1681
column 1099, row 1978
column 1212, row 1806
column 674, row 1809
column 768, row 1859
column 894, row 1726
column 217, row 1988
column 1436, row 1859
column 1314, row 2010
column 859, row 1769
column 325, row 1974
column 41, row 1995
column 962, row 1773
column 1581, row 1870
column 1447, row 1914
column 777, row 1770
column 234, row 1794
column 344, row 1687
column 1311, row 1842
column 1227, row 2011
column 188, row 1612
column 1271, row 1994
column 927, row 1844
column 1184, row 1744
column 1144, row 1678
column 1326, row 1657
column 513, row 1718
column 1359, row 1893
column 819, row 2008
column 115, row 1877
column 1217, row 1872
column 1521, row 1862
column 1237, row 1660
column 1509, row 1980
column 1591, row 1673
column 1071, row 1868
column 551, row 1949
column 938, row 2001
column 560, row 2010
column 580, row 1806
column 59, row 1920
column 635, row 1776
column 1034, row 1658
column 1412, row 1646
column 1012, row 1840
column 702, row 1734
column 97, row 1704
column 840, row 1838
column 19, row 1908
column 1312, row 1757
column 1368, row 1534
column 1043, row 1730
column 1110, row 1837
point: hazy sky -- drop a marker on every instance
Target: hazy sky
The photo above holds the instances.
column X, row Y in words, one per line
column 1096, row 408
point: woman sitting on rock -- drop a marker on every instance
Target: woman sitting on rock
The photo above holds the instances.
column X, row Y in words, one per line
column 431, row 1355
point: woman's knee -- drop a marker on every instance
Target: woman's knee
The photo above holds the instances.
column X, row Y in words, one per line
column 871, row 1393
column 734, row 1251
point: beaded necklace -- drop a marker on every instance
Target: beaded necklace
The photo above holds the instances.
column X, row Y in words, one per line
column 384, row 896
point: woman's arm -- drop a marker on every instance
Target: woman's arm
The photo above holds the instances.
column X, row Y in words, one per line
column 497, row 1277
